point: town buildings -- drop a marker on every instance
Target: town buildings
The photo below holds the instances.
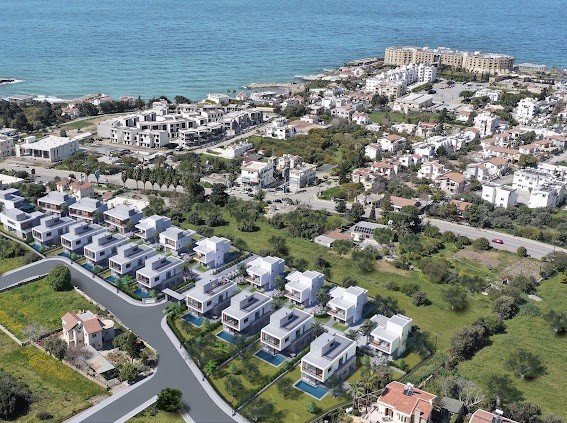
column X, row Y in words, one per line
column 412, row 102
column 49, row 149
column 257, row 174
column 500, row 195
column 302, row 176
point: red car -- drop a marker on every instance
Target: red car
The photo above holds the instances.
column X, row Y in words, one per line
column 498, row 241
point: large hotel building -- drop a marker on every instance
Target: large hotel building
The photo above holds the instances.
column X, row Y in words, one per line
column 477, row 62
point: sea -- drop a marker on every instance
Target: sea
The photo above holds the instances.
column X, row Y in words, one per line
column 147, row 48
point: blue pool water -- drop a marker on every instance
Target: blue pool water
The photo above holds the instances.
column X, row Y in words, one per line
column 141, row 293
column 195, row 321
column 111, row 279
column 317, row 392
column 226, row 337
column 64, row 254
column 274, row 360
column 88, row 266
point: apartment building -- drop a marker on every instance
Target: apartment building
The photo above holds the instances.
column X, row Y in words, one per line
column 529, row 179
column 486, row 123
column 88, row 209
column 431, row 170
column 500, row 195
column 79, row 235
column 257, row 173
column 390, row 335
column 302, row 287
column 548, row 195
column 288, row 332
column 211, row 252
column 49, row 149
column 50, row 229
column 152, row 139
column 81, row 189
column 122, row 218
column 301, row 177
column 346, row 304
column 451, row 183
column 56, row 202
column 19, row 222
column 289, row 160
column 129, row 258
column 175, row 240
column 247, row 313
column 103, row 246
column 329, row 355
column 281, row 129
column 159, row 272
column 402, row 403
column 149, row 228
column 210, row 297
column 263, row 271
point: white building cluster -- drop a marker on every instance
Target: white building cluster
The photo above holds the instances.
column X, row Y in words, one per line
column 394, row 82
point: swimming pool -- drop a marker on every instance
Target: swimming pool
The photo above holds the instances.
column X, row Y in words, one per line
column 227, row 337
column 316, row 392
column 274, row 360
column 194, row 320
column 112, row 279
column 141, row 293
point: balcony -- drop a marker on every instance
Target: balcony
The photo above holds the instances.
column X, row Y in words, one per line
column 381, row 345
column 90, row 254
column 115, row 266
column 270, row 340
column 197, row 305
column 229, row 321
column 338, row 313
column 294, row 295
column 312, row 371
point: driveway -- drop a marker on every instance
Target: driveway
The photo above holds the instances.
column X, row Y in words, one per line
column 145, row 321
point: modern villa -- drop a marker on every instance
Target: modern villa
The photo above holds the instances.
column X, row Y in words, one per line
column 330, row 354
column 248, row 312
column 346, row 304
column 50, row 229
column 210, row 297
column 149, row 228
column 103, row 246
column 122, row 218
column 19, row 222
column 211, row 252
column 79, row 235
column 11, row 199
column 389, row 337
column 88, row 209
column 302, row 287
column 175, row 240
column 129, row 258
column 288, row 332
column 56, row 203
column 263, row 271
column 160, row 272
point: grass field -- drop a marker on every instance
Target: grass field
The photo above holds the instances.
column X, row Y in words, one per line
column 57, row 389
column 160, row 417
column 11, row 263
column 37, row 302
column 535, row 335
column 80, row 124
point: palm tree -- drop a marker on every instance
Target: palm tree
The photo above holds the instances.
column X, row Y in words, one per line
column 97, row 216
column 367, row 327
column 352, row 334
column 355, row 390
column 145, row 176
column 124, row 178
column 137, row 175
column 185, row 267
column 322, row 296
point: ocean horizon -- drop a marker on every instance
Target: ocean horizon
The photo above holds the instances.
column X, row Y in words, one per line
column 176, row 47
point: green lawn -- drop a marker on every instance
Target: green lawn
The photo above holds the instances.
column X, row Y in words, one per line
column 7, row 264
column 57, row 389
column 37, row 302
column 331, row 193
column 159, row 417
column 534, row 335
column 292, row 409
column 79, row 124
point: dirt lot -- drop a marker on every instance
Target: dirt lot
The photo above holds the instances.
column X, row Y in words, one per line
column 490, row 259
column 523, row 266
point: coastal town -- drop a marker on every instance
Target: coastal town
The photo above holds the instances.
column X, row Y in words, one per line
column 382, row 242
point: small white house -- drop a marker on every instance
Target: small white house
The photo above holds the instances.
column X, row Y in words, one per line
column 390, row 335
column 346, row 305
column 288, row 332
column 159, row 272
column 302, row 287
column 263, row 271
column 210, row 297
column 50, row 229
column 211, row 252
column 175, row 240
column 247, row 313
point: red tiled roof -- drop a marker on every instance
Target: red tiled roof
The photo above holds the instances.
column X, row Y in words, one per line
column 454, row 176
column 402, row 202
column 92, row 326
column 498, row 161
column 337, row 235
column 483, row 416
column 461, row 205
column 77, row 185
column 393, row 137
column 70, row 320
column 394, row 397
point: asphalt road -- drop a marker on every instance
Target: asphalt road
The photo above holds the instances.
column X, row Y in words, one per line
column 145, row 321
column 511, row 243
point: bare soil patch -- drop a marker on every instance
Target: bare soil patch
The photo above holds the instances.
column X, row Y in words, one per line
column 523, row 266
column 490, row 259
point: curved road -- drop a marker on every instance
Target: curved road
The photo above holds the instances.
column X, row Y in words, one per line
column 145, row 321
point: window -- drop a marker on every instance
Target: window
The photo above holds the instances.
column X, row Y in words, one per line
column 209, row 303
column 128, row 265
column 78, row 242
column 102, row 253
column 246, row 320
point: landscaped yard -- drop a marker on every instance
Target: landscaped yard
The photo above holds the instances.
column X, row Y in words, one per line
column 37, row 302
column 57, row 389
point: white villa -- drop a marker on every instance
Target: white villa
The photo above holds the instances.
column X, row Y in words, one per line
column 159, row 272
column 288, row 332
column 390, row 336
column 50, row 229
column 19, row 222
column 346, row 305
column 129, row 258
column 302, row 287
column 103, row 246
column 247, row 313
column 211, row 252
column 149, row 228
column 56, row 203
column 88, row 209
column 263, row 271
column 79, row 235
column 175, row 240
column 123, row 218
column 210, row 297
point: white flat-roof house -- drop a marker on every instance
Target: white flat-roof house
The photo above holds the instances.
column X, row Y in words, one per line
column 123, row 218
column 176, row 240
column 19, row 222
column 346, row 305
column 50, row 229
column 79, row 235
column 389, row 337
column 129, row 258
column 50, row 148
column 56, row 202
column 88, row 209
column 330, row 354
column 288, row 332
column 160, row 272
column 257, row 173
column 247, row 313
column 263, row 271
column 211, row 251
column 103, row 246
column 210, row 297
column 302, row 287
column 11, row 199
column 149, row 228
column 302, row 176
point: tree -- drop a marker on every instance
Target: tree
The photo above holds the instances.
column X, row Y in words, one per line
column 356, row 211
column 524, row 412
column 311, row 407
column 285, row 386
column 56, row 347
column 335, row 385
column 467, row 341
column 169, row 399
column 240, row 244
column 59, row 277
column 365, row 260
column 219, row 196
column 372, row 215
column 342, row 246
column 383, row 235
column 505, row 307
column 259, row 409
column 456, row 297
column 279, row 246
column 435, row 269
column 322, row 296
column 521, row 251
column 524, row 364
column 15, row 396
column 78, row 357
column 352, row 334
column 502, row 390
column 340, row 206
column 355, row 390
column 557, row 320
column 128, row 372
column 124, row 178
column 127, row 342
column 180, row 99
column 367, row 327
column 251, row 371
column 480, row 244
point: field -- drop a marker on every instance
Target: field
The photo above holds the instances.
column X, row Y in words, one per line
column 535, row 335
column 82, row 123
column 37, row 302
column 11, row 263
column 57, row 389
column 160, row 417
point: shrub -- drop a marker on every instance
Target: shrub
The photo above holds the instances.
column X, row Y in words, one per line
column 409, row 288
column 59, row 277
column 420, row 299
column 481, row 244
column 391, row 286
column 56, row 347
column 521, row 251
column 169, row 399
column 505, row 307
column 44, row 415
column 15, row 396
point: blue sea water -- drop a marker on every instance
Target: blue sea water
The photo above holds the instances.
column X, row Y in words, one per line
column 154, row 47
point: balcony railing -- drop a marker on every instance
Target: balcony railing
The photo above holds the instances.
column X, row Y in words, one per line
column 313, row 371
column 381, row 345
column 293, row 294
column 195, row 304
column 230, row 322
column 271, row 341
column 337, row 312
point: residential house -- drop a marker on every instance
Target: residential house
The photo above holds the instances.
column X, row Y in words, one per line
column 159, row 272
column 386, row 168
column 50, row 229
column 79, row 235
column 373, row 151
column 247, row 313
column 391, row 143
column 301, row 177
column 11, row 199
column 302, row 287
column 500, row 195
column 87, row 330
column 510, row 154
column 425, row 129
column 329, row 355
column 365, row 176
column 263, row 271
column 360, row 118
column 56, row 203
column 288, row 160
column 477, row 171
column 149, row 228
column 129, row 258
column 486, row 123
column 210, row 297
column 398, row 203
column 364, row 230
column 451, row 183
column 82, row 189
column 288, row 332
column 529, row 179
column 176, row 240
column 122, row 218
column 401, row 403
column 462, row 206
column 390, row 335
column 257, row 174
column 483, row 416
column 88, row 209
column 431, row 170
column 103, row 246
column 281, row 129
column 19, row 222
column 346, row 305
column 211, row 252
column 548, row 195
